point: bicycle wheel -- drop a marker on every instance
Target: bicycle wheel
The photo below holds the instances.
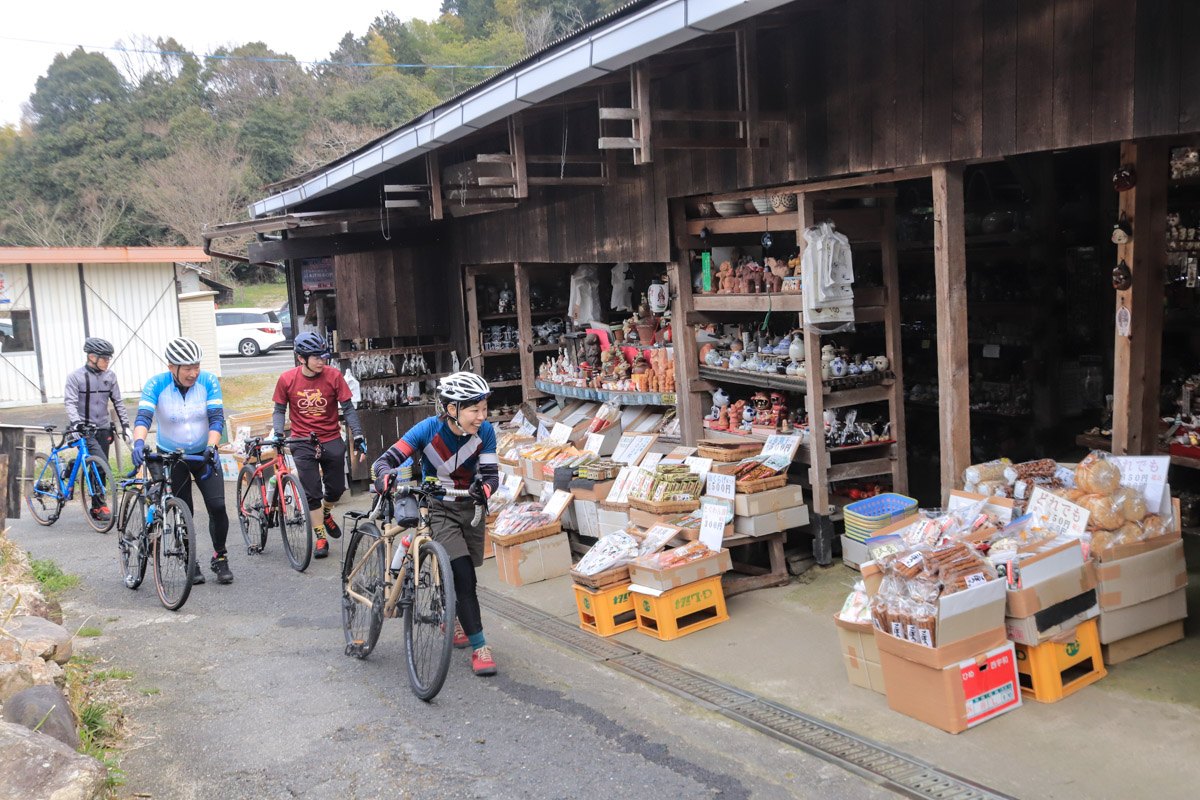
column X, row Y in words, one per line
column 131, row 541
column 294, row 523
column 251, row 514
column 174, row 553
column 44, row 499
column 95, row 492
column 361, row 622
column 429, row 623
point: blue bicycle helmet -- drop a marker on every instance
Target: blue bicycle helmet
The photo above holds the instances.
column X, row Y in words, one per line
column 311, row 344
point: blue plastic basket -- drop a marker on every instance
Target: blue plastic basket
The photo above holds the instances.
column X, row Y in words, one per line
column 864, row 517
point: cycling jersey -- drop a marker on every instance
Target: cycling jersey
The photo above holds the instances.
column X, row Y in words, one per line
column 452, row 460
column 184, row 418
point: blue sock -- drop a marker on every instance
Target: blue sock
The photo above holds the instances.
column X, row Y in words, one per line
column 477, row 640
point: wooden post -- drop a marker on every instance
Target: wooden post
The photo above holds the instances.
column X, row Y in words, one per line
column 746, row 45
column 891, row 284
column 644, row 153
column 1137, row 358
column 689, row 405
column 950, row 271
column 516, row 143
column 529, row 390
column 435, row 184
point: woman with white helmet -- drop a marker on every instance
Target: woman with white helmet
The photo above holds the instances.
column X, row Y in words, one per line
column 191, row 418
column 457, row 448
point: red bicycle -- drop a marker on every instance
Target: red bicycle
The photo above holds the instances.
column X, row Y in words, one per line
column 278, row 500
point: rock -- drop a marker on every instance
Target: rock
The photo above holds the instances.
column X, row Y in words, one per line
column 45, row 709
column 36, row 765
column 38, row 636
column 46, row 673
column 25, row 598
column 15, row 677
column 798, row 565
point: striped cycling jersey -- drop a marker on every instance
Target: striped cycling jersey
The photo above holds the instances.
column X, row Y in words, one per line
column 451, row 459
column 184, row 418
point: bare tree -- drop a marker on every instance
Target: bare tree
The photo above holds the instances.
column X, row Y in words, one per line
column 537, row 29
column 89, row 223
column 327, row 140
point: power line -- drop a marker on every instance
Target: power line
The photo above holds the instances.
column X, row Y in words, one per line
column 183, row 54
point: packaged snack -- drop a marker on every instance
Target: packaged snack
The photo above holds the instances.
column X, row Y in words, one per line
column 608, row 552
column 990, row 471
column 1041, row 468
column 1132, row 503
column 1105, row 511
column 1096, row 474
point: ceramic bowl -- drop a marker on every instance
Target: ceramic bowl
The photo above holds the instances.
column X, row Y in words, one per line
column 729, row 208
column 783, row 203
column 762, row 204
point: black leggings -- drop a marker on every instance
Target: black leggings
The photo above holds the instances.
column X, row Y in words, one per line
column 464, row 589
column 324, row 478
column 212, row 489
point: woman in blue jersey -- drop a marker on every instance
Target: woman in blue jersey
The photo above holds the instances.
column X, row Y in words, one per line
column 458, row 449
column 187, row 402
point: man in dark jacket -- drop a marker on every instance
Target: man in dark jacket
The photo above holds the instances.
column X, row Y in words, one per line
column 88, row 392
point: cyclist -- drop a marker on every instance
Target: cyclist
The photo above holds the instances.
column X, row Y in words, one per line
column 187, row 401
column 86, row 397
column 457, row 448
column 311, row 394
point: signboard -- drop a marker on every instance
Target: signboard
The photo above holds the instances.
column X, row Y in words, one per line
column 1058, row 514
column 543, row 431
column 677, row 455
column 700, row 466
column 5, row 288
column 527, row 430
column 650, row 460
column 560, row 433
column 557, row 504
column 1147, row 474
column 721, row 485
column 631, row 448
column 316, row 274
column 594, row 442
column 712, row 526
column 619, row 493
column 780, row 445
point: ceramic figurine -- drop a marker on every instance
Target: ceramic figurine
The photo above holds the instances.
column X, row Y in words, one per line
column 793, row 368
column 507, row 300
column 802, row 370
column 867, row 367
column 728, row 278
column 659, row 295
column 838, row 367
column 735, row 360
column 881, row 363
column 720, row 401
column 853, row 368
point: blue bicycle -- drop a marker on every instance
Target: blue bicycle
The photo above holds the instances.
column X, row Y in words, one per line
column 55, row 476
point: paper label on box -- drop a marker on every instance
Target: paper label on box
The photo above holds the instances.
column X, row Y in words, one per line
column 897, row 630
column 660, row 532
column 1058, row 514
column 911, row 560
column 594, row 442
column 718, row 485
column 992, row 690
column 976, row 579
column 925, row 637
column 698, row 465
column 911, row 631
column 886, row 549
column 781, row 445
column 1147, row 474
column 558, row 503
column 1067, row 476
column 712, row 526
column 560, row 433
column 650, row 460
column 631, row 448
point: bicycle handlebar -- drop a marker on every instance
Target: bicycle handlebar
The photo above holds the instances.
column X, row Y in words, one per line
column 165, row 457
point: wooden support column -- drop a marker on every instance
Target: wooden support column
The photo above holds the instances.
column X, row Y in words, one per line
column 516, row 146
column 891, row 283
column 689, row 402
column 746, row 45
column 435, row 184
column 950, row 272
column 1137, row 358
column 644, row 153
column 529, row 390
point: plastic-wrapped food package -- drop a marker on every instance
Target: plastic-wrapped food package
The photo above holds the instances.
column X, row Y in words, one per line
column 857, row 607
column 692, row 551
column 608, row 552
column 1105, row 512
column 990, row 471
column 1132, row 502
column 1096, row 474
column 520, row 517
column 656, row 539
column 1041, row 468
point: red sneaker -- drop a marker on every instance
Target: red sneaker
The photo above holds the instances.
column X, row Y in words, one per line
column 460, row 636
column 321, row 548
column 100, row 513
column 481, row 661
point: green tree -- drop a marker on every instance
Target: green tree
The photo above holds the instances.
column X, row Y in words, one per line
column 268, row 136
column 387, row 101
column 75, row 89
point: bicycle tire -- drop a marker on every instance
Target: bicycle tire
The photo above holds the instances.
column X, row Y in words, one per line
column 174, row 550
column 294, row 522
column 429, row 623
column 44, row 499
column 131, row 538
column 252, row 517
column 361, row 624
column 96, row 471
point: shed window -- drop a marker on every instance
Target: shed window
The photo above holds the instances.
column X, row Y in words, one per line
column 16, row 331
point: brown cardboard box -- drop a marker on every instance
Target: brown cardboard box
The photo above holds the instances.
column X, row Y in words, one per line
column 674, row 577
column 647, row 519
column 1072, row 582
column 1137, row 548
column 772, row 521
column 1047, row 624
column 537, row 560
column 596, row 492
column 961, row 615
column 1142, row 643
column 1121, row 623
column 957, row 695
column 752, row 505
column 854, row 553
column 860, row 654
column 1136, row 579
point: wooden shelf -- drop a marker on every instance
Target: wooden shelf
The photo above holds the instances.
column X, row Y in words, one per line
column 515, row 351
column 1011, row 239
column 869, row 300
column 485, row 317
column 549, row 312
column 1105, row 443
column 503, row 384
column 838, row 391
column 861, row 225
column 404, row 378
column 395, row 351
column 601, row 395
column 982, row 412
column 546, row 348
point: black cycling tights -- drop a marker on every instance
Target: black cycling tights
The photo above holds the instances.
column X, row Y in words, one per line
column 464, row 589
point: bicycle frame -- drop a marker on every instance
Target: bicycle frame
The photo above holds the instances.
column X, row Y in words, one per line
column 280, row 465
column 66, row 488
column 396, row 580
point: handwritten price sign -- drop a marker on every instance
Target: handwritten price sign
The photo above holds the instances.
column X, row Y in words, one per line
column 560, row 433
column 594, row 442
column 779, row 445
column 1147, row 474
column 719, row 485
column 1057, row 514
column 712, row 526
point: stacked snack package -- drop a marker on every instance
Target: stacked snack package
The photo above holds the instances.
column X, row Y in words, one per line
column 614, row 550
column 857, row 608
column 1117, row 514
column 665, row 483
column 520, row 517
column 759, row 467
column 608, row 414
column 693, row 551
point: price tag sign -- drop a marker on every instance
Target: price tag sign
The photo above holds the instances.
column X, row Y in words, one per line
column 543, row 431
column 560, row 433
column 779, row 445
column 650, row 460
column 718, row 485
column 558, row 503
column 631, row 448
column 594, row 442
column 518, row 419
column 712, row 526
column 528, row 430
column 700, row 466
column 677, row 455
column 885, row 549
column 1058, row 514
column 1147, row 474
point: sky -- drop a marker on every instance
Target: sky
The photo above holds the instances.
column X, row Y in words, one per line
column 307, row 35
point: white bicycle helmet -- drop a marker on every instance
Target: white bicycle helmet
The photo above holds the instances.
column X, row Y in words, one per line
column 462, row 387
column 182, row 351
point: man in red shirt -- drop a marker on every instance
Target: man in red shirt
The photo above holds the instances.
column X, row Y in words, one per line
column 311, row 394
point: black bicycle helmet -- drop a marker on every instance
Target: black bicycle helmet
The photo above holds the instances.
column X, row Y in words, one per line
column 97, row 346
column 311, row 344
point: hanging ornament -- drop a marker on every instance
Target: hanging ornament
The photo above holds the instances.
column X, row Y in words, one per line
column 1125, row 178
column 1122, row 231
column 1122, row 278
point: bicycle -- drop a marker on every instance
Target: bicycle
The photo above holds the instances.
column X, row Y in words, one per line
column 152, row 519
column 55, row 479
column 263, row 504
column 414, row 579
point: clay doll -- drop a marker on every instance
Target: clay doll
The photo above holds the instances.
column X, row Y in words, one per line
column 729, row 281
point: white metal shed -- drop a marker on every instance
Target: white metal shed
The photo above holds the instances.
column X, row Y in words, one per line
column 52, row 298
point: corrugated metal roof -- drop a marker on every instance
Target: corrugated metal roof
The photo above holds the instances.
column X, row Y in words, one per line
column 100, row 255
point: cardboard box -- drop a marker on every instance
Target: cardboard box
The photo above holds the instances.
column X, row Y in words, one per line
column 537, row 560
column 1121, row 623
column 771, row 522
column 1137, row 548
column 674, row 577
column 534, row 486
column 1052, row 562
column 1074, row 581
column 611, row 518
column 595, row 491
column 854, row 553
column 856, row 642
column 752, row 505
column 961, row 615
column 587, row 517
column 1050, row 622
column 957, row 695
column 646, row 519
column 1142, row 643
column 1136, row 579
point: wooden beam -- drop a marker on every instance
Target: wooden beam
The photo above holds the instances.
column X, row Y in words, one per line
column 892, row 344
column 580, row 181
column 709, row 143
column 390, row 188
column 619, row 143
column 689, row 397
column 619, row 113
column 1137, row 358
column 496, row 158
column 865, row 179
column 641, row 101
column 747, row 65
column 814, row 399
column 505, row 181
column 950, row 275
column 404, row 204
column 435, row 184
column 532, row 158
column 529, row 390
column 516, row 139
